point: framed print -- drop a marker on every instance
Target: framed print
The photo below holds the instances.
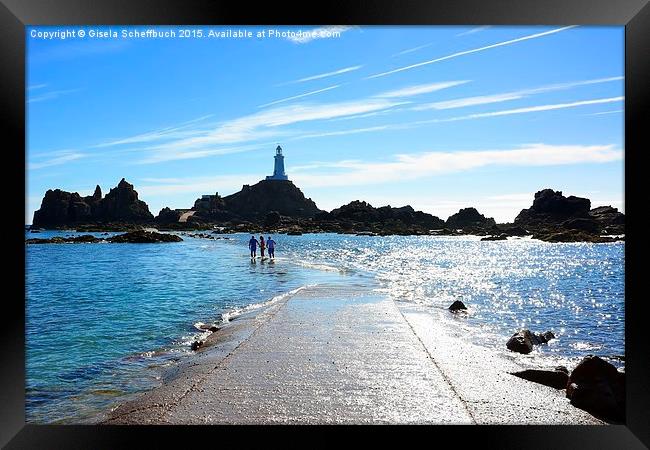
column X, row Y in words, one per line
column 359, row 214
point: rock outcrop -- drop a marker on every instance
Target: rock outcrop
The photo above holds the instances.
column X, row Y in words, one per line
column 470, row 219
column 60, row 208
column 552, row 208
column 134, row 237
column 122, row 204
column 144, row 237
column 556, row 218
column 358, row 216
column 167, row 216
column 83, row 239
column 254, row 202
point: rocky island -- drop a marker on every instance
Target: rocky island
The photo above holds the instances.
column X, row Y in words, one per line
column 277, row 205
column 281, row 207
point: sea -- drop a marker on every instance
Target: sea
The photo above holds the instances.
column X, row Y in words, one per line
column 106, row 322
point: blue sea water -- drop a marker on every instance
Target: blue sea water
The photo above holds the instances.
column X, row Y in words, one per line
column 105, row 321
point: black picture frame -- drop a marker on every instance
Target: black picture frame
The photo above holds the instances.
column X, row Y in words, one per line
column 16, row 14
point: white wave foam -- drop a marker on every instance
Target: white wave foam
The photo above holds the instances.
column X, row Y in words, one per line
column 235, row 312
column 320, row 266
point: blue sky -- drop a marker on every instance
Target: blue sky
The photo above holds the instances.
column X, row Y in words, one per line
column 436, row 117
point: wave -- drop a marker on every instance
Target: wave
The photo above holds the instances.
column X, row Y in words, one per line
column 236, row 312
column 322, row 266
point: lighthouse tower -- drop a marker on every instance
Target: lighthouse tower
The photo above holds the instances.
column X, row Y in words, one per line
column 278, row 168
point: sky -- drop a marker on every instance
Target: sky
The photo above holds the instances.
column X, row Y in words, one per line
column 436, row 117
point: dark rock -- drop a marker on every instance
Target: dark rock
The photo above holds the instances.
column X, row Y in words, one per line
column 252, row 202
column 501, row 237
column 607, row 215
column 552, row 208
column 196, row 345
column 572, row 236
column 521, row 342
column 207, row 327
column 358, row 216
column 545, row 337
column 513, row 230
column 122, row 204
column 84, row 239
column 272, row 219
column 144, row 237
column 294, row 233
column 60, row 208
column 582, row 224
column 524, row 340
column 457, row 306
column 468, row 218
column 168, row 216
column 597, row 387
column 554, row 378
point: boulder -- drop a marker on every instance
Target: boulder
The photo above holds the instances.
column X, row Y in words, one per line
column 144, row 237
column 457, row 306
column 598, row 387
column 557, row 378
column 196, row 345
column 524, row 340
column 521, row 342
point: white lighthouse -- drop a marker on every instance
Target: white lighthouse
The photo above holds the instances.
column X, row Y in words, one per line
column 278, row 168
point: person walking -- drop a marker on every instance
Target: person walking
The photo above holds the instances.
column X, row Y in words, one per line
column 262, row 246
column 271, row 245
column 252, row 245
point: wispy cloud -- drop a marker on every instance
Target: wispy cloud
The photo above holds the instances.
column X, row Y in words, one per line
column 413, row 49
column 421, row 89
column 306, row 94
column 319, row 33
column 616, row 111
column 59, row 157
column 178, row 131
column 323, row 75
column 228, row 136
column 50, row 95
column 181, row 154
column 530, row 109
column 507, row 96
column 473, row 30
column 33, row 87
column 475, row 50
column 342, row 132
column 414, row 166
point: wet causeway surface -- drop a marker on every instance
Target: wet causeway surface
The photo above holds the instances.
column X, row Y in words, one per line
column 343, row 354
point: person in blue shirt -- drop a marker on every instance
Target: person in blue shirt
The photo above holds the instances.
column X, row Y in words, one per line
column 270, row 244
column 252, row 245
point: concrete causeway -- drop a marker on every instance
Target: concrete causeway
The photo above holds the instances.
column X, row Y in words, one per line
column 339, row 355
